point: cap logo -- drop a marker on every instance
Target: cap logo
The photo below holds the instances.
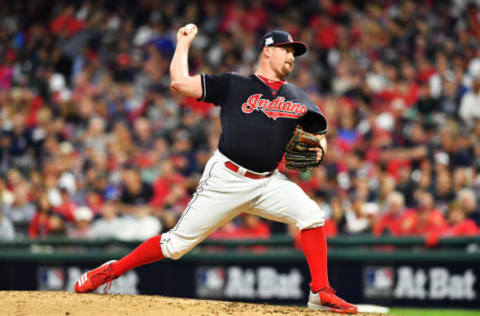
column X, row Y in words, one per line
column 290, row 39
column 268, row 41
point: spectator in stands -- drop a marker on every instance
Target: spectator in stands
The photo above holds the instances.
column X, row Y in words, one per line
column 20, row 142
column 358, row 216
column 460, row 179
column 426, row 219
column 246, row 226
column 330, row 227
column 81, row 229
column 443, row 192
column 338, row 214
column 253, row 227
column 109, row 225
column 387, row 186
column 470, row 104
column 458, row 223
column 406, row 185
column 21, row 210
column 45, row 221
column 169, row 188
column 139, row 224
column 67, row 206
column 6, row 196
column 393, row 219
column 7, row 231
column 143, row 133
column 95, row 136
column 134, row 190
column 53, row 193
column 94, row 200
column 467, row 202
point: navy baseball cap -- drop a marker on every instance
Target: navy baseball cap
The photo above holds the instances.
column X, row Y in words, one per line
column 282, row 38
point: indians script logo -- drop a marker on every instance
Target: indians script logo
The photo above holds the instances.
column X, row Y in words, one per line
column 274, row 108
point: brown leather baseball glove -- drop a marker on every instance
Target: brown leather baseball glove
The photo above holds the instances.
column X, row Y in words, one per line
column 298, row 155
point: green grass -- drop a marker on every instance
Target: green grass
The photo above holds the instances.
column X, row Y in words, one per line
column 433, row 312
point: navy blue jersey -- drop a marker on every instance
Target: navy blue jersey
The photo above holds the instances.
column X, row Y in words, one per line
column 256, row 125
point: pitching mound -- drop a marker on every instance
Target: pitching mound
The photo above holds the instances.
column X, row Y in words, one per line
column 20, row 303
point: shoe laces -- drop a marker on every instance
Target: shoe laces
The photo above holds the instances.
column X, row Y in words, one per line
column 105, row 274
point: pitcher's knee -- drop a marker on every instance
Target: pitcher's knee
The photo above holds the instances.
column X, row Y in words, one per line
column 177, row 255
column 311, row 216
column 174, row 247
column 173, row 252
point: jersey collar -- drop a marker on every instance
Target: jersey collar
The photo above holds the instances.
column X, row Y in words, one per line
column 274, row 85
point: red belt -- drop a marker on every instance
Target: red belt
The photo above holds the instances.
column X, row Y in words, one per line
column 230, row 165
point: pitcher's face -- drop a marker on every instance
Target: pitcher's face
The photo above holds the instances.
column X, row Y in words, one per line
column 282, row 60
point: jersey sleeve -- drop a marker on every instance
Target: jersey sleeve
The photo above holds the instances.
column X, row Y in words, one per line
column 314, row 121
column 215, row 88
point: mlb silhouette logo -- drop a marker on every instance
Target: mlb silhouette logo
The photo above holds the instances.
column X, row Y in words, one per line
column 51, row 278
column 210, row 281
column 290, row 39
column 378, row 282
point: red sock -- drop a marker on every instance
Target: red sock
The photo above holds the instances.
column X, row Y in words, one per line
column 314, row 245
column 148, row 252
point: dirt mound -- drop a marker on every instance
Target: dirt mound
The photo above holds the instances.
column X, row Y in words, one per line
column 20, row 303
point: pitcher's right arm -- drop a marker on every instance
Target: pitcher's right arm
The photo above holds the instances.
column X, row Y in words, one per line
column 181, row 81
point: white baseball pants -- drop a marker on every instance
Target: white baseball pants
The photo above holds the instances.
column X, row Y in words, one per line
column 223, row 194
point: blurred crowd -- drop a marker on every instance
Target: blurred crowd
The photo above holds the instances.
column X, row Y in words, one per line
column 94, row 145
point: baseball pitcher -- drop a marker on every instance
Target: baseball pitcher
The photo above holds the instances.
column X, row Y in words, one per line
column 263, row 117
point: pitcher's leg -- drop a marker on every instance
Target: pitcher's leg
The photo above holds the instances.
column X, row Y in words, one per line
column 314, row 246
column 285, row 201
column 198, row 221
column 147, row 252
column 220, row 197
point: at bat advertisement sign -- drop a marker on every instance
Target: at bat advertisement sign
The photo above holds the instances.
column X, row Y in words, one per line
column 436, row 283
column 238, row 282
column 420, row 284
